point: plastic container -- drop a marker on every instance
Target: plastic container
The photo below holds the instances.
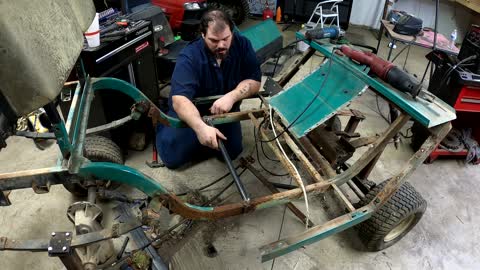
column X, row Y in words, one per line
column 453, row 38
column 93, row 33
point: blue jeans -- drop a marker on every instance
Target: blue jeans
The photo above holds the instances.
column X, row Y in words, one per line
column 177, row 146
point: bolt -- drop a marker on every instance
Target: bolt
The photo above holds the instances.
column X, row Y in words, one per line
column 49, row 248
column 64, row 248
column 53, row 233
column 422, row 150
column 67, row 234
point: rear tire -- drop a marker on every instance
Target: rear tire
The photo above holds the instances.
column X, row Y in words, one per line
column 394, row 219
column 100, row 149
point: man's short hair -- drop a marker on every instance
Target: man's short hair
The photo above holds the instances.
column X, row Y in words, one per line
column 220, row 18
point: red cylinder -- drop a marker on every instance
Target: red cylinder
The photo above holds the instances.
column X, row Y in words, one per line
column 267, row 13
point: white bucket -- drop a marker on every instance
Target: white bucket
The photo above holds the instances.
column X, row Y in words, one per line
column 93, row 33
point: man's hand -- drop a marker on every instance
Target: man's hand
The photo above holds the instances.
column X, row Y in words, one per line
column 222, row 105
column 207, row 136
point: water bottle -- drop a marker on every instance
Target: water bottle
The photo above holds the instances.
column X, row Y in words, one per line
column 453, row 37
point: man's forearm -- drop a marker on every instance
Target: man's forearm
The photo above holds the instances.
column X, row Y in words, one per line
column 244, row 89
column 187, row 112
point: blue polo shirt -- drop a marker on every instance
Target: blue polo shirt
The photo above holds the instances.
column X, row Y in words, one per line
column 197, row 73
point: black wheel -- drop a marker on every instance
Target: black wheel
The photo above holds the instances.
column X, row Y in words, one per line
column 238, row 10
column 101, row 149
column 394, row 219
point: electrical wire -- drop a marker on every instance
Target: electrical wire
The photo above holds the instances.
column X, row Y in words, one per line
column 300, row 182
column 451, row 69
column 400, row 52
column 169, row 230
column 210, row 184
column 310, row 103
column 258, row 156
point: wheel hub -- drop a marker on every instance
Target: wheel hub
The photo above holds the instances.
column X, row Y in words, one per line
column 399, row 229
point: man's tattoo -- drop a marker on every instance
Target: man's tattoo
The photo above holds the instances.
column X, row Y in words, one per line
column 245, row 89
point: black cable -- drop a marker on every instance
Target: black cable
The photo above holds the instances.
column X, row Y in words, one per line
column 169, row 230
column 451, row 69
column 265, row 154
column 258, row 155
column 310, row 103
column 400, row 52
column 209, row 185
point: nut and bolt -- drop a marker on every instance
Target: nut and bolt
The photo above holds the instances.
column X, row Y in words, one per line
column 53, row 233
column 67, row 234
column 49, row 248
column 64, row 248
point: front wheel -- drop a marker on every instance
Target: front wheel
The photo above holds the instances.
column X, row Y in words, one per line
column 100, row 149
column 394, row 219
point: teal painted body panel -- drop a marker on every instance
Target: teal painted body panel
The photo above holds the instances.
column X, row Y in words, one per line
column 262, row 34
column 122, row 174
column 134, row 93
column 426, row 113
column 337, row 91
column 200, row 208
column 63, row 140
column 313, row 235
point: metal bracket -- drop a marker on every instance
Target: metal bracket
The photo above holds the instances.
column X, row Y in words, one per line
column 272, row 87
column 4, row 201
column 60, row 244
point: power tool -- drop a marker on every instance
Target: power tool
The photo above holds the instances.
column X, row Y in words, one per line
column 386, row 70
column 326, row 32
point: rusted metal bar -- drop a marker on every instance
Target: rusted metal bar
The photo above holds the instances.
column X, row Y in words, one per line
column 365, row 172
column 30, row 178
column 188, row 211
column 317, row 233
column 314, row 171
column 277, row 153
column 364, row 141
column 346, row 221
column 317, row 158
column 354, row 121
column 293, row 70
column 301, row 156
column 273, row 189
column 343, row 198
column 72, row 261
column 437, row 135
column 77, row 241
column 368, row 156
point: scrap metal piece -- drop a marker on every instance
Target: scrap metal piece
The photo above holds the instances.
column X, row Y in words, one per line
column 271, row 87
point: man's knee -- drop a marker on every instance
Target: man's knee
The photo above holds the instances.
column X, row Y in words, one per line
column 175, row 146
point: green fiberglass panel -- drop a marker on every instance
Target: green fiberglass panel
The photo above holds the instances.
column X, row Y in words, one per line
column 337, row 91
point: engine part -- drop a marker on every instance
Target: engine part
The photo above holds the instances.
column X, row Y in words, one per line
column 87, row 218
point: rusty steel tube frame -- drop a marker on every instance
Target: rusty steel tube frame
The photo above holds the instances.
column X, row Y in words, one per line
column 154, row 189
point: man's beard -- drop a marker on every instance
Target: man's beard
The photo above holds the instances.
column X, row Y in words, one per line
column 221, row 54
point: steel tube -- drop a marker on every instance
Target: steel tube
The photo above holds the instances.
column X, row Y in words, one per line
column 231, row 168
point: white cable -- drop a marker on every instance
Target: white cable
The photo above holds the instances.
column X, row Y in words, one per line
column 296, row 171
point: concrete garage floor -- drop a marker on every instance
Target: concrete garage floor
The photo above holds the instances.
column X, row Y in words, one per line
column 445, row 238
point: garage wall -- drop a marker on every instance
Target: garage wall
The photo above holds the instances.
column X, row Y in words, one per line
column 367, row 13
column 451, row 15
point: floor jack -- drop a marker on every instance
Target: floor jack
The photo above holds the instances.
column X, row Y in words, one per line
column 155, row 162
